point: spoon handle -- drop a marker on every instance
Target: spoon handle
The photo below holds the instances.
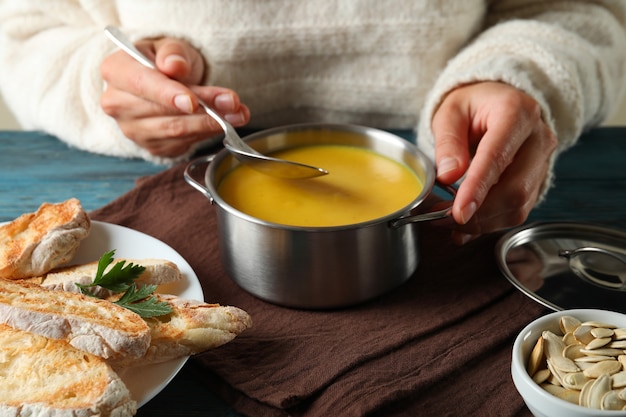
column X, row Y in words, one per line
column 120, row 39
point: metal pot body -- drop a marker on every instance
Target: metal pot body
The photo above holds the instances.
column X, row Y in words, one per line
column 320, row 267
column 316, row 268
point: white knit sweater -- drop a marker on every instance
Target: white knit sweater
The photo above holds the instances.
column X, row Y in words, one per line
column 378, row 63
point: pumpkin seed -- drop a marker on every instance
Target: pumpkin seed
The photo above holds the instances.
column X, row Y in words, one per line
column 619, row 334
column 541, row 376
column 568, row 324
column 619, row 379
column 573, row 352
column 575, row 380
column 552, row 344
column 611, row 401
column 617, row 344
column 603, row 368
column 598, row 324
column 602, row 332
column 555, row 374
column 598, row 388
column 585, row 365
column 536, row 356
column 584, row 393
column 565, row 364
column 569, row 339
column 598, row 343
column 583, row 334
column 593, row 358
column 553, row 389
column 603, row 352
column 569, row 395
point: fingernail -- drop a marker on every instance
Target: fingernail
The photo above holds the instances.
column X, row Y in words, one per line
column 174, row 58
column 225, row 102
column 234, row 119
column 183, row 103
column 446, row 165
column 467, row 212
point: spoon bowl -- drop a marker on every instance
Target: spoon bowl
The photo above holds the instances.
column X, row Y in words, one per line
column 232, row 141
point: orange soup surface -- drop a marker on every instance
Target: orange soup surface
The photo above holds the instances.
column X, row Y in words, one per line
column 361, row 185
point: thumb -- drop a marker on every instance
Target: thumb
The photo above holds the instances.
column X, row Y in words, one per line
column 179, row 60
column 450, row 131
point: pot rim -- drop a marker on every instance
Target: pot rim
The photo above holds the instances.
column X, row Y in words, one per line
column 370, row 133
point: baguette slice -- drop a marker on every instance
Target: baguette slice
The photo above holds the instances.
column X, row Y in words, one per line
column 92, row 325
column 192, row 327
column 34, row 243
column 45, row 377
column 158, row 271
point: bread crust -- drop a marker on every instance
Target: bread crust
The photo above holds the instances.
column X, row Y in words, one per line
column 35, row 243
column 96, row 326
column 45, row 377
column 192, row 327
column 158, row 272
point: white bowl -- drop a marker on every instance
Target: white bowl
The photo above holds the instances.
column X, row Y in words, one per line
column 538, row 401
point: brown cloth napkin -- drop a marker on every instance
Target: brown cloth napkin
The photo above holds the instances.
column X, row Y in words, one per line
column 439, row 345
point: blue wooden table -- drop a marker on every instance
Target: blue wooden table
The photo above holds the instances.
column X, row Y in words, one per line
column 34, row 167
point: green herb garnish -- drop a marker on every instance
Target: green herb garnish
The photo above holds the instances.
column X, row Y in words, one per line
column 121, row 279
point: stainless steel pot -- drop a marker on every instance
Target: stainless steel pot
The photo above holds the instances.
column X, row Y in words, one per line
column 318, row 267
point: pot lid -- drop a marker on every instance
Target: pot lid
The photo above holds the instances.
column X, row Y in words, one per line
column 566, row 265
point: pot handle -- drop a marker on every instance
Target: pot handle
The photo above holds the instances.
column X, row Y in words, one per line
column 189, row 171
column 433, row 215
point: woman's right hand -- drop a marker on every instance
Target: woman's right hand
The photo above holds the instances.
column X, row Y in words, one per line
column 159, row 110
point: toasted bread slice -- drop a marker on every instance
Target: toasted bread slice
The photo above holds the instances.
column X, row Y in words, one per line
column 34, row 243
column 158, row 271
column 192, row 327
column 41, row 376
column 89, row 324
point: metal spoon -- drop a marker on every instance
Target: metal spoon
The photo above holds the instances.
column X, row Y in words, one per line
column 235, row 145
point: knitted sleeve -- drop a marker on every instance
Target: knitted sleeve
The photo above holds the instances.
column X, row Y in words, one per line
column 569, row 56
column 50, row 55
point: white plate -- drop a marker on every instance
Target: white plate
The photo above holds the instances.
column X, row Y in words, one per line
column 143, row 382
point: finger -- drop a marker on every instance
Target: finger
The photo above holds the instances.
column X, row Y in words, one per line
column 122, row 72
column 498, row 211
column 122, row 105
column 494, row 154
column 179, row 126
column 510, row 201
column 169, row 127
column 179, row 60
column 226, row 102
column 450, row 128
column 222, row 99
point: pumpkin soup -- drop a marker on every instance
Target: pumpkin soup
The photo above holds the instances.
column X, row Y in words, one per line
column 361, row 185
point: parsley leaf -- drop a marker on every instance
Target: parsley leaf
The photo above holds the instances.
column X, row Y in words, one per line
column 120, row 278
column 141, row 301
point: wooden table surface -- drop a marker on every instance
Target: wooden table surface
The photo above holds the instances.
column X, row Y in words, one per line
column 34, row 167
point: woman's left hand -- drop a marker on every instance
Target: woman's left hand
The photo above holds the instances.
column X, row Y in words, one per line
column 493, row 134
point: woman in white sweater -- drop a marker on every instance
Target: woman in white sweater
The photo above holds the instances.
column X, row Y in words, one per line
column 506, row 85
